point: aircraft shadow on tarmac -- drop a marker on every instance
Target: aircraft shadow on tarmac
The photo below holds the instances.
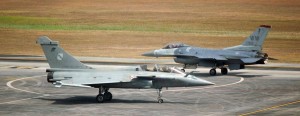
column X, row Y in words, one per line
column 75, row 100
column 90, row 100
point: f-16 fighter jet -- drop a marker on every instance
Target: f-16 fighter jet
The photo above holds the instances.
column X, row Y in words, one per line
column 65, row 70
column 235, row 58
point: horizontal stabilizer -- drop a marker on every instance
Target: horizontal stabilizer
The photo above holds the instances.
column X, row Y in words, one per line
column 250, row 60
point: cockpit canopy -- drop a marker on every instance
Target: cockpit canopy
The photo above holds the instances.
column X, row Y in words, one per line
column 160, row 69
column 174, row 45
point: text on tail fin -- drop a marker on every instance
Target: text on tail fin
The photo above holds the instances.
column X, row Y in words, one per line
column 258, row 37
column 254, row 42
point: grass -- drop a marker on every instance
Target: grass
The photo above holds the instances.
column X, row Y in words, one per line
column 44, row 23
column 129, row 28
column 25, row 20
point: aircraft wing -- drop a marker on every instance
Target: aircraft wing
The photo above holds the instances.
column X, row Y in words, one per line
column 204, row 57
column 85, row 85
column 90, row 84
column 90, row 79
column 216, row 57
column 150, row 77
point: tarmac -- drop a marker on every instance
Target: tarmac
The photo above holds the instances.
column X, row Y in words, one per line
column 254, row 91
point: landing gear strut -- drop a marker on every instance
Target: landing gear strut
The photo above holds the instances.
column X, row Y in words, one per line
column 159, row 99
column 104, row 95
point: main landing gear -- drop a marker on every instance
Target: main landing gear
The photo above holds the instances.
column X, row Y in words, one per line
column 224, row 71
column 104, row 95
column 213, row 72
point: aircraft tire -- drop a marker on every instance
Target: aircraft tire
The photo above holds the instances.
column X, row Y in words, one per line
column 160, row 101
column 108, row 96
column 100, row 98
column 183, row 70
column 212, row 72
column 224, row 71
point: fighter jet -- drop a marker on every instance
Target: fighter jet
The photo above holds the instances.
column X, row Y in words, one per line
column 65, row 70
column 235, row 58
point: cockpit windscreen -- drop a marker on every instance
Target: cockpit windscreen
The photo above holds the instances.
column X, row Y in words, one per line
column 174, row 45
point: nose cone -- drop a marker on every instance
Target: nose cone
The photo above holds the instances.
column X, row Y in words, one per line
column 150, row 53
column 194, row 81
column 204, row 82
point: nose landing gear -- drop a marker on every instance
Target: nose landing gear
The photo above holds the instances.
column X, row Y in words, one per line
column 159, row 99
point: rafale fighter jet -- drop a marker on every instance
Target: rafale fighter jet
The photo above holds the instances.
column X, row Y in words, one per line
column 235, row 58
column 65, row 70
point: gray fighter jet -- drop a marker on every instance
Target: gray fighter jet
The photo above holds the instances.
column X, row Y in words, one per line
column 235, row 58
column 65, row 70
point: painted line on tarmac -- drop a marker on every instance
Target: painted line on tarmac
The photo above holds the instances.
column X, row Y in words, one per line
column 24, row 99
column 189, row 89
column 9, row 84
column 270, row 108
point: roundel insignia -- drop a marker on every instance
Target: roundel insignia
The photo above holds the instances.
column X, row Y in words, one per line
column 59, row 56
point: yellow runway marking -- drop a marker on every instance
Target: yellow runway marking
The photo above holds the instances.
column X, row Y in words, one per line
column 270, row 108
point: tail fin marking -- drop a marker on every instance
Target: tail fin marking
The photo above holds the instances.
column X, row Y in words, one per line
column 57, row 57
column 255, row 41
column 257, row 38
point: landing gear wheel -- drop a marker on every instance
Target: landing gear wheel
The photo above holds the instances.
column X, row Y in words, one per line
column 160, row 101
column 212, row 72
column 100, row 98
column 108, row 96
column 104, row 95
column 224, row 71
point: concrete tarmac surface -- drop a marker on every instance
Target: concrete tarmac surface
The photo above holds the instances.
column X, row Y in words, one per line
column 25, row 92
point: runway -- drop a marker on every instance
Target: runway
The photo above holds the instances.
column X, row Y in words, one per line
column 261, row 91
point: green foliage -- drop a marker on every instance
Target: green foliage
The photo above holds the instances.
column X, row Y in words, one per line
column 206, row 29
column 24, row 20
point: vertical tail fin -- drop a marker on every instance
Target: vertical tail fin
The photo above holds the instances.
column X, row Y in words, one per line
column 57, row 57
column 255, row 41
column 257, row 38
